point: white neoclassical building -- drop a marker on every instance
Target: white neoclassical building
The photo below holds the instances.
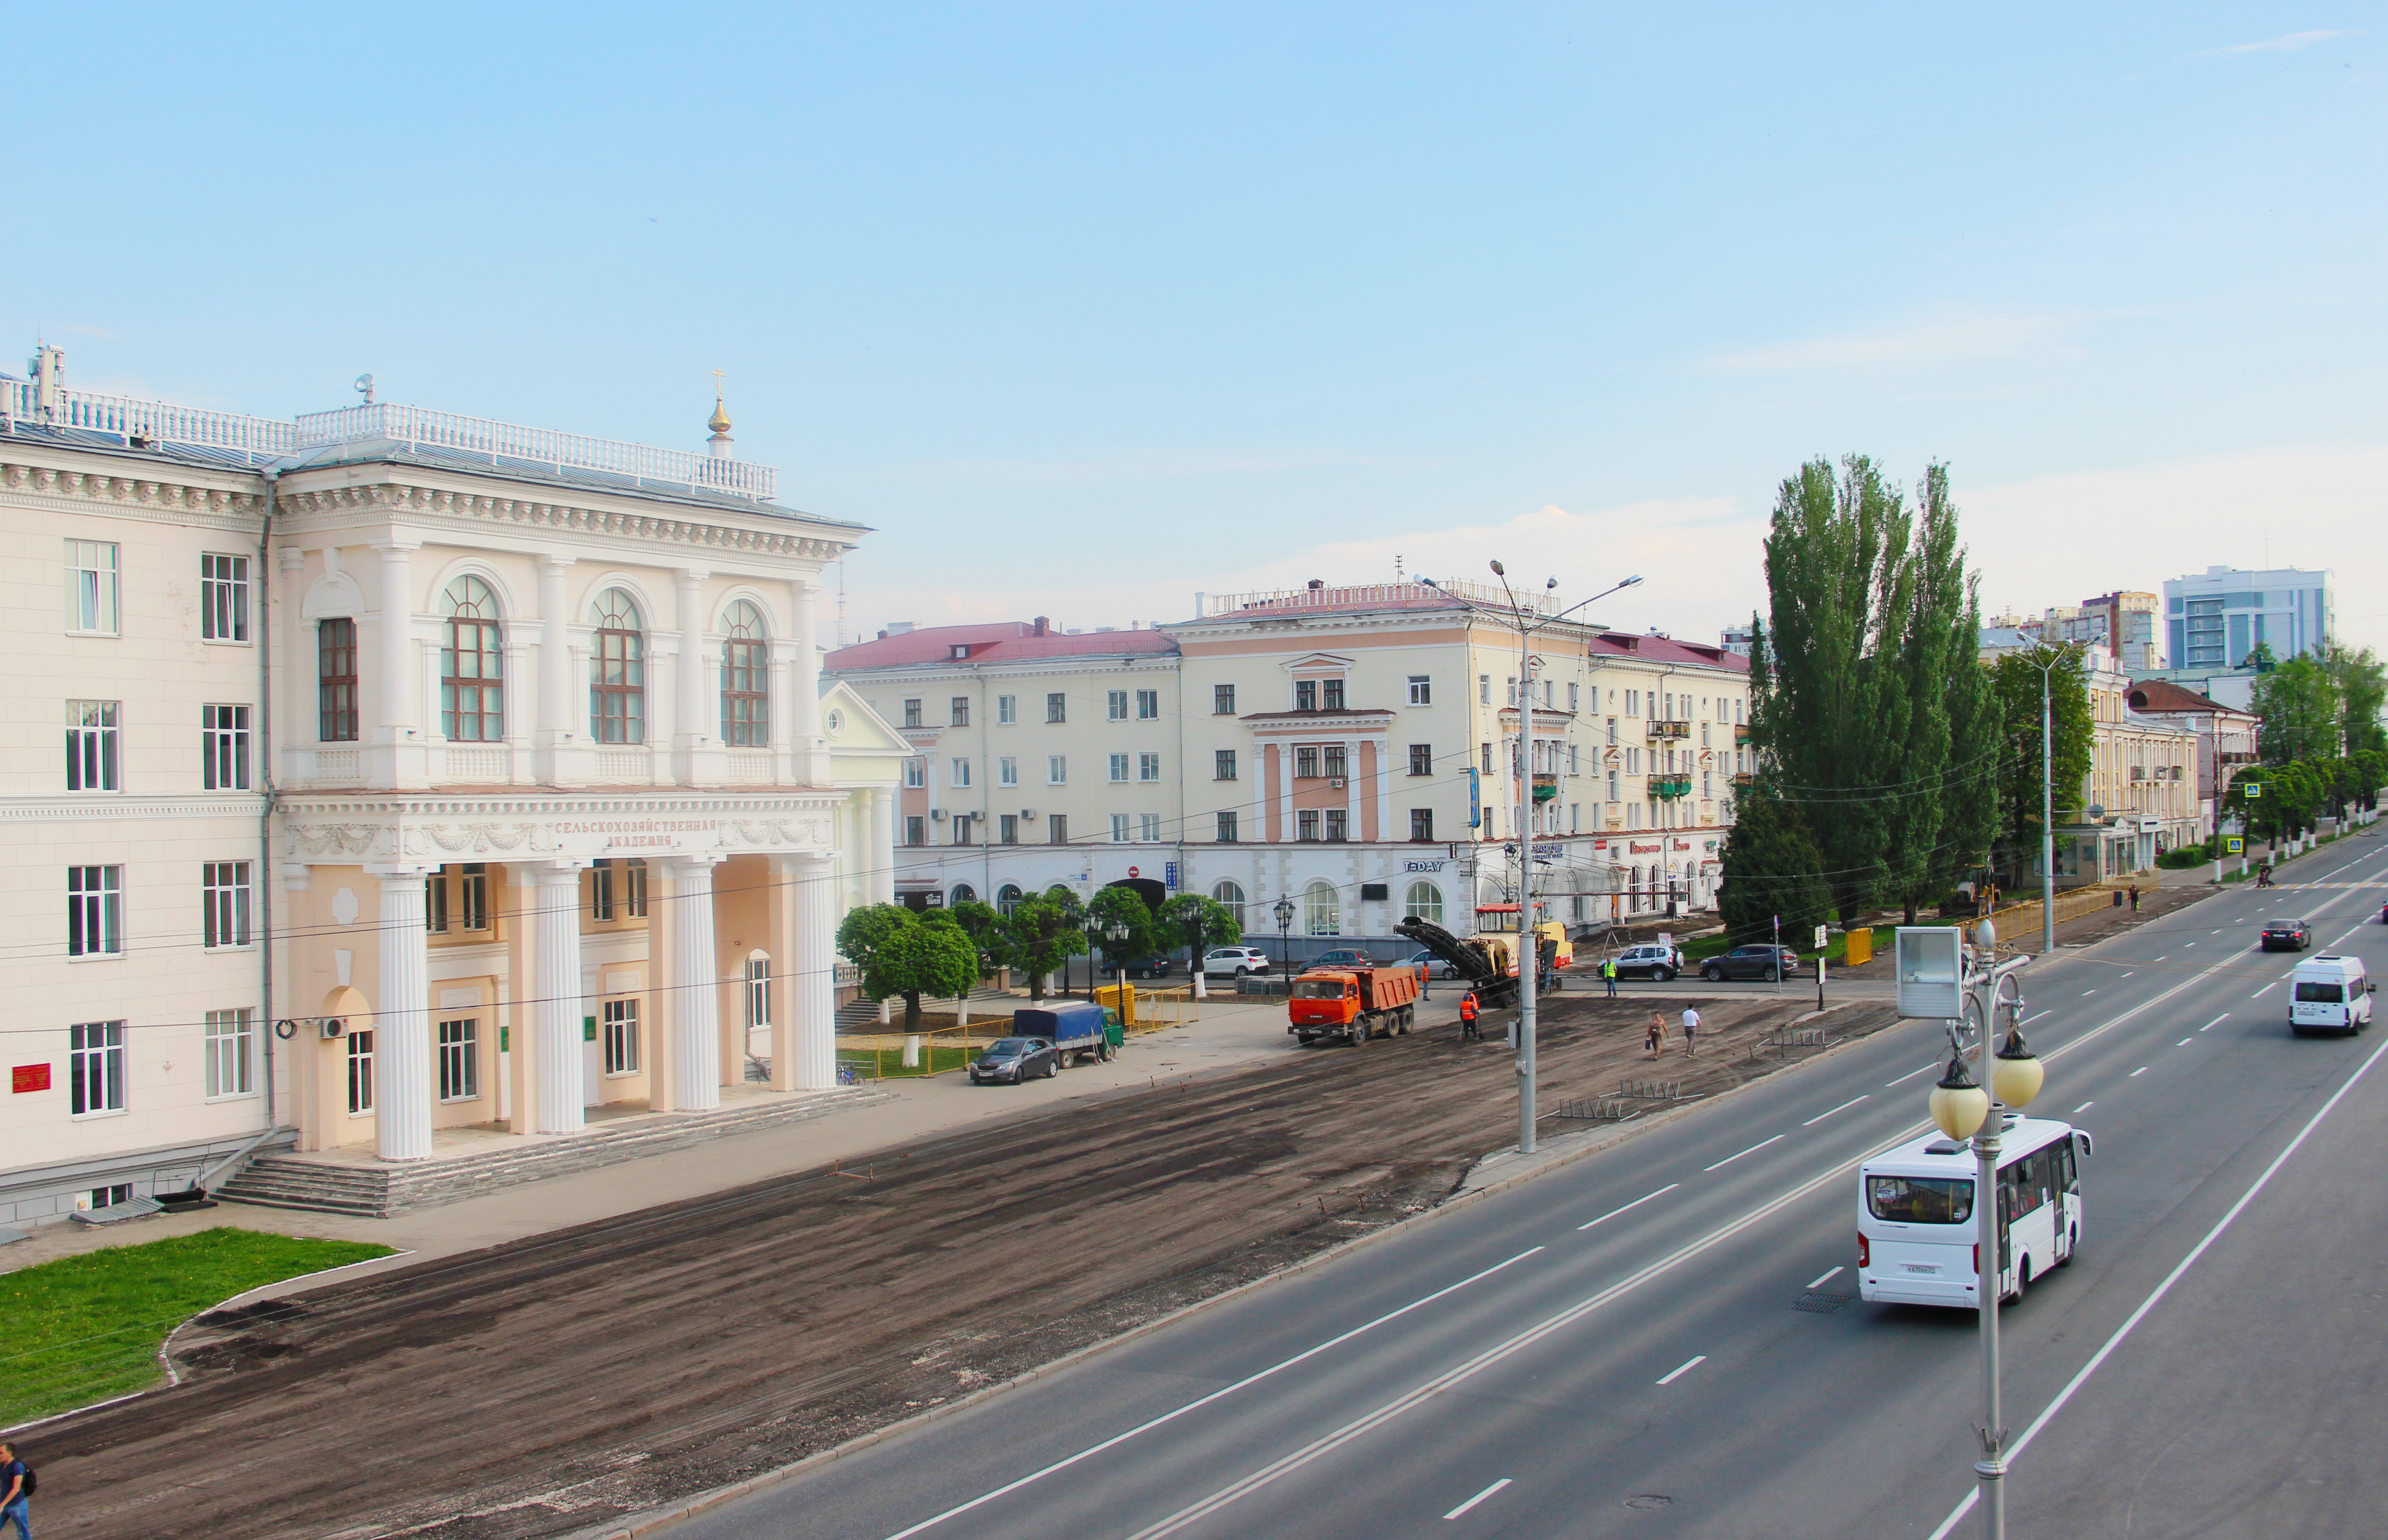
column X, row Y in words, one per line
column 387, row 771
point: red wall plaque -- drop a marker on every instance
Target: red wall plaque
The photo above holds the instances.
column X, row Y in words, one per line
column 29, row 1077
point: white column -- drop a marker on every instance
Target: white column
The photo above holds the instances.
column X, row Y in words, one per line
column 393, row 644
column 812, row 983
column 559, row 1059
column 695, row 994
column 558, row 731
column 403, row 1022
column 692, row 697
column 879, row 854
column 804, row 702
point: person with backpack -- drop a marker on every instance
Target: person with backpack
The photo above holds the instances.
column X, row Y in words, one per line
column 16, row 1486
column 1468, row 1032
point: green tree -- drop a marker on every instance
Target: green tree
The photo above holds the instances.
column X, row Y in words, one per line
column 1770, row 867
column 980, row 922
column 1830, row 716
column 2302, row 710
column 2017, row 682
column 2362, row 687
column 1199, row 924
column 1040, row 934
column 904, row 954
column 1125, row 909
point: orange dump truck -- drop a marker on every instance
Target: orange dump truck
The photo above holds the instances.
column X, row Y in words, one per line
column 1353, row 1004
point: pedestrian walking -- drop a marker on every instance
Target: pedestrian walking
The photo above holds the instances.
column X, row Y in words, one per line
column 1609, row 976
column 1655, row 1040
column 2135, row 898
column 16, row 1490
column 1691, row 1030
column 1468, row 1032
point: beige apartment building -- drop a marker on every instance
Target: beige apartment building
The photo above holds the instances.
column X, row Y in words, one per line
column 1349, row 752
column 2226, row 738
column 387, row 772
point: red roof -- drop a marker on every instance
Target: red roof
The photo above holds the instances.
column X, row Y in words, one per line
column 2163, row 695
column 1666, row 650
column 1003, row 641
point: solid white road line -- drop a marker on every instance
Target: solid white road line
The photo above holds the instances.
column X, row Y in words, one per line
column 1478, row 1498
column 2098, row 1360
column 1117, row 1439
column 1676, row 1374
column 1827, row 1278
column 1635, row 1204
column 2216, row 1022
column 1752, row 1150
column 1842, row 1108
column 2082, row 1108
column 2136, row 1073
column 1910, row 1075
column 1357, row 1427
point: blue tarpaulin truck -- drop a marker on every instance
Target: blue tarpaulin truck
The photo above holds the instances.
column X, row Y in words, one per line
column 1077, row 1028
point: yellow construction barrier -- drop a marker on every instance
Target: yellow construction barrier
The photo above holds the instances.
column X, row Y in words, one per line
column 1120, row 999
column 1860, row 947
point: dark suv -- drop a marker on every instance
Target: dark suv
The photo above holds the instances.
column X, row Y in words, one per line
column 1752, row 962
column 2288, row 935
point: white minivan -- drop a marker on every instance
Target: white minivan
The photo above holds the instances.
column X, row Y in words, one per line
column 2328, row 994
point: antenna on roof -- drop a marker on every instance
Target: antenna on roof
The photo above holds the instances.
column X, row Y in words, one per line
column 364, row 389
column 841, row 601
column 1398, row 578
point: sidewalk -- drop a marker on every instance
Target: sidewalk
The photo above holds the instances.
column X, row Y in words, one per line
column 1227, row 1033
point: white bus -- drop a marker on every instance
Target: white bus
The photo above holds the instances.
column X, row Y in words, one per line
column 1917, row 1235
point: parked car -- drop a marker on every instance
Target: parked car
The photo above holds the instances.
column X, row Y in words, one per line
column 1236, row 960
column 1649, row 961
column 1441, row 969
column 1150, row 967
column 2287, row 935
column 1008, row 1061
column 1752, row 962
column 1344, row 957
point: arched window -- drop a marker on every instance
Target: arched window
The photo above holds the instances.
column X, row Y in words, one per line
column 746, row 678
column 1321, row 915
column 472, row 660
column 1425, row 900
column 963, row 892
column 1008, row 897
column 1230, row 896
column 617, row 670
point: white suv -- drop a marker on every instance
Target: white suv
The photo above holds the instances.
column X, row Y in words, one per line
column 1649, row 961
column 1237, row 960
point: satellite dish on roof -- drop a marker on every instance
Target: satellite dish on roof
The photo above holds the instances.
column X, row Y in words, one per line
column 364, row 388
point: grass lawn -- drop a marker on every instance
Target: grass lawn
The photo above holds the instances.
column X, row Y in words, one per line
column 82, row 1329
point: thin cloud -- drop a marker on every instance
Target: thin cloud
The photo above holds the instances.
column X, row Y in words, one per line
column 2288, row 43
column 1963, row 338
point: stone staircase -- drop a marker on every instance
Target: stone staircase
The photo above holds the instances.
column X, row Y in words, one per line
column 378, row 1191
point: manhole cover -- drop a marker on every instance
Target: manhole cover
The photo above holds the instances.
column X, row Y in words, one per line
column 1648, row 1500
column 1820, row 1305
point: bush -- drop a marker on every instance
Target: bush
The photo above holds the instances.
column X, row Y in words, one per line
column 2185, row 857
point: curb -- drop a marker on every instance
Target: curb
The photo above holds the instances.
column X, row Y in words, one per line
column 654, row 1519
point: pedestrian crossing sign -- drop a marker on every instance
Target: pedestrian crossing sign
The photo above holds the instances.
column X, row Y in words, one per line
column 2234, row 845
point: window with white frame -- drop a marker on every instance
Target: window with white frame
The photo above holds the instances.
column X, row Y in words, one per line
column 1225, row 830
column 94, row 749
column 1223, row 699
column 1424, row 900
column 1334, row 758
column 224, row 598
column 1007, row 771
column 958, row 711
column 1331, row 696
column 912, row 713
column 746, row 677
column 1484, row 689
column 1322, row 914
column 1148, row 767
column 1633, row 702
column 231, row 1044
column 1006, row 709
column 1305, row 761
column 758, row 991
column 1057, row 770
column 1118, row 705
column 1147, row 828
column 1119, row 828
column 460, row 1059
column 1119, row 767
column 916, row 773
column 1305, row 695
column 1305, row 826
column 94, row 910
column 1421, row 690
column 224, row 897
column 92, row 587
column 621, row 1036
column 1421, row 759
column 472, row 896
column 361, row 1072
column 1338, row 825
column 1230, row 897
column 961, row 771
column 223, row 748
column 1222, row 765
column 1147, row 705
column 94, row 1068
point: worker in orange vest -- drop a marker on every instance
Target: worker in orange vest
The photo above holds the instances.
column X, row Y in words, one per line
column 1468, row 1016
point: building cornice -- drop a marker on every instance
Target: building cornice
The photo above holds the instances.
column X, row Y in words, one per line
column 181, row 497
column 46, row 810
column 306, row 510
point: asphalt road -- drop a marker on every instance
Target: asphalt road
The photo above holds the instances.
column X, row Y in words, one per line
column 1620, row 1347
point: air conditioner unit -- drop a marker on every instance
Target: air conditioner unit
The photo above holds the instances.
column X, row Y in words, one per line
column 937, row 815
column 331, row 1027
column 1028, row 813
column 1336, row 783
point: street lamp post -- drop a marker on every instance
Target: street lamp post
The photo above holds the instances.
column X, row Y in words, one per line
column 1962, row 1108
column 1285, row 928
column 1116, row 942
column 1529, row 949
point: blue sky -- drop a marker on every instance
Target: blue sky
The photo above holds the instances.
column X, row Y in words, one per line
column 1086, row 309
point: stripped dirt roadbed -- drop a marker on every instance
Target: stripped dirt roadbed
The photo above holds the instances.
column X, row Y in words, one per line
column 545, row 1386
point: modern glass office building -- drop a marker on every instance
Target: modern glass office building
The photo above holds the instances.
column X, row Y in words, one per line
column 2214, row 618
